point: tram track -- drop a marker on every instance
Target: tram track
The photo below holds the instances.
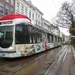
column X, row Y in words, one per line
column 61, row 63
column 55, row 68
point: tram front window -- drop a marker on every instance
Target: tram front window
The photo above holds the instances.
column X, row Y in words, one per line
column 21, row 34
column 6, row 36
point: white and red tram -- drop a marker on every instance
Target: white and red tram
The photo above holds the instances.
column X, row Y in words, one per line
column 18, row 37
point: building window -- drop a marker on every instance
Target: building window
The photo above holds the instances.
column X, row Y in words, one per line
column 17, row 7
column 22, row 8
column 6, row 10
column 11, row 11
column 7, row 1
column 30, row 14
column 12, row 2
column 1, row 8
column 25, row 11
column 33, row 16
column 38, row 16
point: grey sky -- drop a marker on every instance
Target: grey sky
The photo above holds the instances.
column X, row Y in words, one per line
column 50, row 8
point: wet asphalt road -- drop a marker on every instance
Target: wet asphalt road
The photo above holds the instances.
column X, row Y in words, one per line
column 33, row 65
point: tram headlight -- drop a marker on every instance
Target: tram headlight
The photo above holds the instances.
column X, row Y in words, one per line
column 10, row 48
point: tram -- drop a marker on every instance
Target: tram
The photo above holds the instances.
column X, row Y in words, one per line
column 19, row 37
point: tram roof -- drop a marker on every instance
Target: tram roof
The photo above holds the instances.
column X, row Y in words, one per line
column 13, row 16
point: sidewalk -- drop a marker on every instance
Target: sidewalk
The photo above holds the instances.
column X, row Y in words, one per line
column 72, row 69
column 69, row 63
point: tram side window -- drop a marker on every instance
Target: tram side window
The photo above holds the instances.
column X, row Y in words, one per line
column 35, row 35
column 1, row 37
column 21, row 34
column 55, row 39
column 59, row 39
column 32, row 34
column 48, row 36
column 51, row 38
column 39, row 35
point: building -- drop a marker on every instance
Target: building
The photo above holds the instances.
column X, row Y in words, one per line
column 7, row 7
column 26, row 7
column 45, row 24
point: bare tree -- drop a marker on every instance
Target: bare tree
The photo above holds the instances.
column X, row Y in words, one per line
column 65, row 17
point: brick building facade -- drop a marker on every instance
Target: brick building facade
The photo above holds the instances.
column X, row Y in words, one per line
column 7, row 7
